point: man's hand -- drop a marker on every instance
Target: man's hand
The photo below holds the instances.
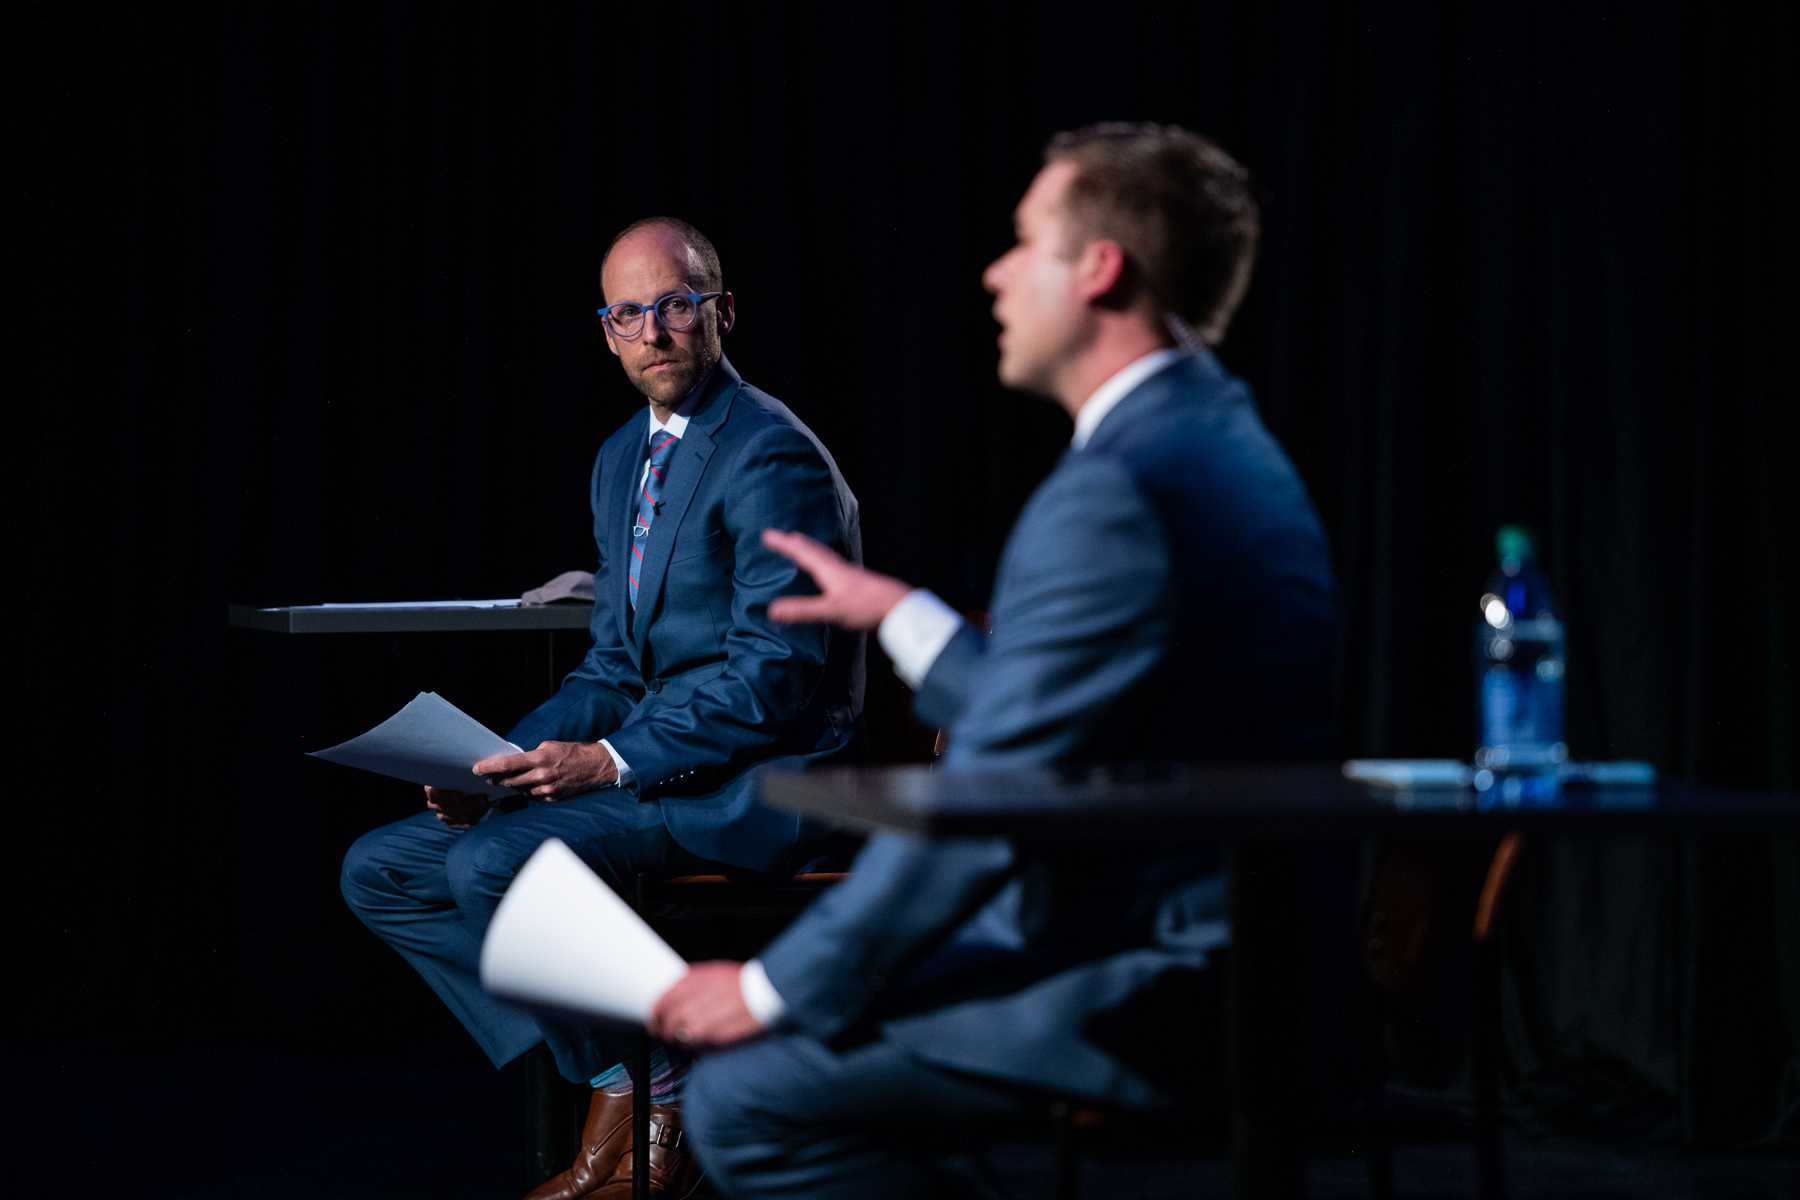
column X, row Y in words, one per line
column 705, row 1008
column 458, row 810
column 850, row 596
column 554, row 770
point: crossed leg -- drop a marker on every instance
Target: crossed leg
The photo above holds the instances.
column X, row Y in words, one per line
column 429, row 891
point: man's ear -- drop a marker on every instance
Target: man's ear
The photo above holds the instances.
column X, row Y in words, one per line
column 1100, row 268
column 727, row 313
column 610, row 343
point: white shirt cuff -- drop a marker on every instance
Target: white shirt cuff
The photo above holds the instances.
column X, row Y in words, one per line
column 625, row 775
column 760, row 996
column 915, row 632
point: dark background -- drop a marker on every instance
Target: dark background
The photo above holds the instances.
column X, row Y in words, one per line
column 308, row 296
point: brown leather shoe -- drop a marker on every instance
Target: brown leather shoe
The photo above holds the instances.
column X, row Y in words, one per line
column 674, row 1171
column 605, row 1139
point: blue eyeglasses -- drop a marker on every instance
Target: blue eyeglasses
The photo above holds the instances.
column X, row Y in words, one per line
column 676, row 311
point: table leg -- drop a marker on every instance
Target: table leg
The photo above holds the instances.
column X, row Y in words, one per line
column 550, row 666
column 640, row 1119
column 1262, row 1026
column 553, row 1121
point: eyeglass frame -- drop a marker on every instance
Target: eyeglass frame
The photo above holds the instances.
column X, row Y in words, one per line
column 693, row 297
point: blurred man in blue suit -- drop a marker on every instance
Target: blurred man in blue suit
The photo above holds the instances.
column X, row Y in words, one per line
column 641, row 761
column 1165, row 596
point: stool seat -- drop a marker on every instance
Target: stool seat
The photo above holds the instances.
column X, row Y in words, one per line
column 803, row 878
column 674, row 897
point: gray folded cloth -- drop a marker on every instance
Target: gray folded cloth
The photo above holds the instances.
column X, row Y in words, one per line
column 570, row 585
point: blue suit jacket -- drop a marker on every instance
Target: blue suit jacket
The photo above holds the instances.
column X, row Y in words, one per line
column 1165, row 596
column 698, row 686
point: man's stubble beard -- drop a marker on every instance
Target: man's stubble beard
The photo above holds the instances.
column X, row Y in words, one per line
column 670, row 388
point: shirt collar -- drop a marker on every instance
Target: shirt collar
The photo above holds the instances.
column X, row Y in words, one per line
column 676, row 424
column 1106, row 397
column 678, row 420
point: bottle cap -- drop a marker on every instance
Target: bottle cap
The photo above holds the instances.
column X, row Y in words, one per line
column 1513, row 542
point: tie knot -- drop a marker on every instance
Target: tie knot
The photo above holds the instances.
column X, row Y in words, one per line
column 662, row 446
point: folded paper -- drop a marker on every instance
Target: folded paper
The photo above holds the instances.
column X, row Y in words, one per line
column 561, row 939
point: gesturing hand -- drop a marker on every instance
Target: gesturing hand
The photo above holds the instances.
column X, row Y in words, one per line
column 552, row 771
column 705, row 1008
column 850, row 597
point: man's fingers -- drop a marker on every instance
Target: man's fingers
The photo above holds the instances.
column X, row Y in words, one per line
column 520, row 776
column 524, row 781
column 813, row 557
column 503, row 764
column 803, row 610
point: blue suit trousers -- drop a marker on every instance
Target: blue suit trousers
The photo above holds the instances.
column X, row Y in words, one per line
column 429, row 891
column 792, row 1117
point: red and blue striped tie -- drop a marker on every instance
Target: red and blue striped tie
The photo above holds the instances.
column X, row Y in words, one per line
column 649, row 499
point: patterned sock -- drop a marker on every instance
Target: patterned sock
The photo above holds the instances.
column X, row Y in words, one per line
column 667, row 1070
column 614, row 1081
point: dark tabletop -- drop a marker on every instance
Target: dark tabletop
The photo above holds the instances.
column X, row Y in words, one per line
column 405, row 618
column 1238, row 802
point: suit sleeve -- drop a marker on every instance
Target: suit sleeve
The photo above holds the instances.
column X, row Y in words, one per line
column 1080, row 617
column 904, row 895
column 772, row 673
column 944, row 692
column 597, row 695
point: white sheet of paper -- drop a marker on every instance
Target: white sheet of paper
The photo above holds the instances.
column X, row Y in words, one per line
column 429, row 741
column 1410, row 772
column 562, row 939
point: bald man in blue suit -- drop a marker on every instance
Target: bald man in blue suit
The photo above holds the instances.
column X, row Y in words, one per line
column 641, row 761
column 1165, row 596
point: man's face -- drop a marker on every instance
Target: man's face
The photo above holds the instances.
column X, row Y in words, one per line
column 664, row 364
column 1042, row 316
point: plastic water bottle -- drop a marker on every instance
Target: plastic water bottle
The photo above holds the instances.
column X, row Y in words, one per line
column 1518, row 679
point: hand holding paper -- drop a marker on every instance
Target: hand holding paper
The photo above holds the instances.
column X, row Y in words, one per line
column 561, row 939
column 458, row 810
column 705, row 1008
column 553, row 770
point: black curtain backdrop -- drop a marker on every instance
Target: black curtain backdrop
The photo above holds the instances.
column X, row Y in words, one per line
column 310, row 297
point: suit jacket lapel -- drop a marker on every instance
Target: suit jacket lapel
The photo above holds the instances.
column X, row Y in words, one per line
column 685, row 470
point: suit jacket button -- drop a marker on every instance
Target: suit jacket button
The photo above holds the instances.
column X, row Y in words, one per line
column 653, row 685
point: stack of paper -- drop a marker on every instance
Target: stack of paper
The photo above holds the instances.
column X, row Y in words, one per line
column 430, row 741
